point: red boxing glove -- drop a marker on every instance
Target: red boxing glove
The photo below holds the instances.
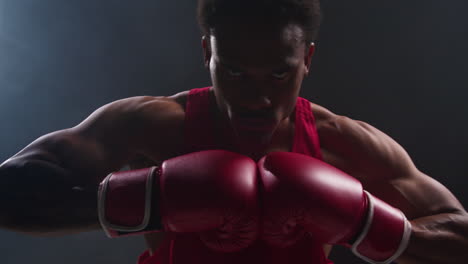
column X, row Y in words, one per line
column 211, row 192
column 303, row 194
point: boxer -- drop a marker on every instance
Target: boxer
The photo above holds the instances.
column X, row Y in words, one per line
column 315, row 178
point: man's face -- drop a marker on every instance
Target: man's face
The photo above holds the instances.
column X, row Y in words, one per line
column 257, row 71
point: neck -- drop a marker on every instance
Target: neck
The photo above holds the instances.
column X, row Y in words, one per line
column 254, row 146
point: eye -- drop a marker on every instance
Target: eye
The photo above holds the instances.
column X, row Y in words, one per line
column 234, row 73
column 280, row 75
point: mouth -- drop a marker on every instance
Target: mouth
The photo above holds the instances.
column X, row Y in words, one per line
column 254, row 124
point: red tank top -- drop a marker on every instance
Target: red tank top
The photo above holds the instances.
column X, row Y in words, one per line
column 200, row 134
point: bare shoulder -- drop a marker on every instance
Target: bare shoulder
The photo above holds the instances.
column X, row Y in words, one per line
column 381, row 164
column 133, row 108
column 152, row 126
column 359, row 148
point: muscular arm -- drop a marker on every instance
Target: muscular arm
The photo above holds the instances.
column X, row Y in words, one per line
column 50, row 186
column 439, row 221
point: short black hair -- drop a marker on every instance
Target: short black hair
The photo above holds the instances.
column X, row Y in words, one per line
column 304, row 13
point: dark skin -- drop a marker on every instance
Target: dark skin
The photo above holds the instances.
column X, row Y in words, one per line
column 258, row 71
column 259, row 77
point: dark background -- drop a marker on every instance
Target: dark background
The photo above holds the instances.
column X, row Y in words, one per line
column 399, row 65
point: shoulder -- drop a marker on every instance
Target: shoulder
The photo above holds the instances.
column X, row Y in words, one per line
column 359, row 148
column 153, row 126
column 382, row 165
column 132, row 112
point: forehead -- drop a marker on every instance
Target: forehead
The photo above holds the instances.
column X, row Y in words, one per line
column 258, row 44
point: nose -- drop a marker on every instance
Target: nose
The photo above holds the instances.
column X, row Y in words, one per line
column 257, row 96
column 257, row 103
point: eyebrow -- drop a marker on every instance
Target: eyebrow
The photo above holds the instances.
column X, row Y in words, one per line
column 227, row 65
column 280, row 67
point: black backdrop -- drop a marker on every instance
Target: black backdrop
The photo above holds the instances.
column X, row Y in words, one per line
column 399, row 65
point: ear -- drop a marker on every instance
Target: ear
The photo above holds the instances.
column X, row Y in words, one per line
column 206, row 50
column 308, row 57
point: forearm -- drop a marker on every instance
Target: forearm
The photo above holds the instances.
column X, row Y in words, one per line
column 73, row 213
column 39, row 198
column 438, row 239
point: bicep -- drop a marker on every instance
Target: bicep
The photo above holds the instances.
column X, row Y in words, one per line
column 425, row 195
column 409, row 189
column 48, row 182
column 54, row 179
column 71, row 153
column 386, row 169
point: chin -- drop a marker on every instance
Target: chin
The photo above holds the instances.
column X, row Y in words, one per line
column 253, row 138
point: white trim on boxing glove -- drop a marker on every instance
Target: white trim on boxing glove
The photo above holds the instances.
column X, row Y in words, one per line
column 370, row 217
column 110, row 228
